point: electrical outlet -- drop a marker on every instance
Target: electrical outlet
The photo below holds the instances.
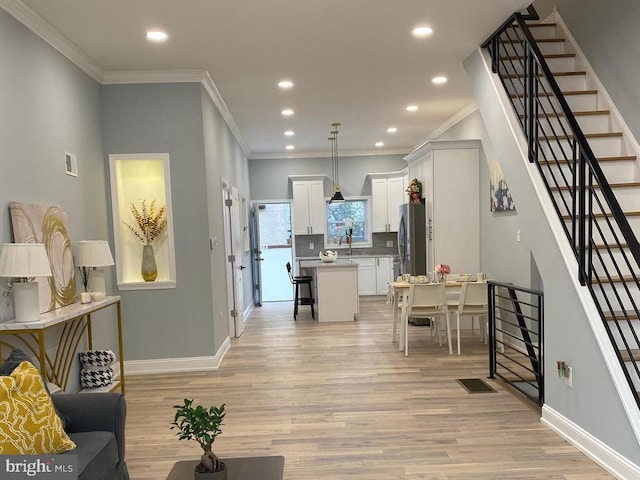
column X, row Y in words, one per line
column 518, row 235
column 568, row 376
column 311, row 246
column 390, row 243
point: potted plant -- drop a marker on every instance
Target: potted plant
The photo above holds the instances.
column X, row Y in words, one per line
column 202, row 425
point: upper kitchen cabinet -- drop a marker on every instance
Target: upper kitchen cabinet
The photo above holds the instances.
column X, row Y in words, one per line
column 449, row 172
column 308, row 204
column 387, row 194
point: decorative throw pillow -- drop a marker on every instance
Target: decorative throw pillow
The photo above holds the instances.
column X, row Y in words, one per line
column 29, row 424
column 15, row 358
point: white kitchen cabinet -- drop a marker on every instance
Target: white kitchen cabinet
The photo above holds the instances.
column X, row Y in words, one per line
column 308, row 205
column 387, row 194
column 373, row 275
column 366, row 275
column 384, row 274
column 449, row 171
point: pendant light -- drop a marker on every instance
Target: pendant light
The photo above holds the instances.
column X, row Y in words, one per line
column 337, row 195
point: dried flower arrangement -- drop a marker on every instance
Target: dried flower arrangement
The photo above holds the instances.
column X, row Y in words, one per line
column 150, row 224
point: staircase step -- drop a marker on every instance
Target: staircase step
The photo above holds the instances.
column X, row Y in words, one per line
column 602, row 215
column 568, row 93
column 586, row 135
column 555, row 74
column 600, row 159
column 540, row 40
column 624, row 279
column 597, row 187
column 575, row 114
column 551, row 55
column 627, row 358
column 620, row 315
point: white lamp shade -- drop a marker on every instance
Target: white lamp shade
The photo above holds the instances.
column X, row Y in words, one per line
column 93, row 253
column 23, row 260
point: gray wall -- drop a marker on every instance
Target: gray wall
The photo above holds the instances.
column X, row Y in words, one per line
column 608, row 34
column 269, row 177
column 49, row 106
column 167, row 118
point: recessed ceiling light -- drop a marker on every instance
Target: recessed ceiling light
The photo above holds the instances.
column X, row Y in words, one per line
column 439, row 80
column 379, row 144
column 285, row 84
column 289, row 133
column 290, row 147
column 412, row 108
column 392, row 129
column 287, row 112
column 156, row 36
column 422, row 31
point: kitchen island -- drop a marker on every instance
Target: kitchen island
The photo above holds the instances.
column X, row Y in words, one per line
column 336, row 286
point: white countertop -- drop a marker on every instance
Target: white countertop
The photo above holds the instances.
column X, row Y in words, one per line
column 317, row 263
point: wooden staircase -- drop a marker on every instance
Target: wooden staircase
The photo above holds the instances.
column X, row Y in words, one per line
column 614, row 269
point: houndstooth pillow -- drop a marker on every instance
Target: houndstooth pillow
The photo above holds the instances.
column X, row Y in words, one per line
column 97, row 358
column 96, row 378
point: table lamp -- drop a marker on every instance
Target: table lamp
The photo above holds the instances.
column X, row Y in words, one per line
column 23, row 261
column 91, row 255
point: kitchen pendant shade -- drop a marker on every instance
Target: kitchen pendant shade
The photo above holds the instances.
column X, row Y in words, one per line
column 24, row 260
column 337, row 197
column 94, row 253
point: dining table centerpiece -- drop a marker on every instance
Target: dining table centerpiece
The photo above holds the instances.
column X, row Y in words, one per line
column 441, row 271
column 149, row 225
column 415, row 191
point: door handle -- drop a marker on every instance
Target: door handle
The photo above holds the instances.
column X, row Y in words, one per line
column 242, row 267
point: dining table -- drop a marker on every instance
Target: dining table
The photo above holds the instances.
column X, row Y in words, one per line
column 399, row 296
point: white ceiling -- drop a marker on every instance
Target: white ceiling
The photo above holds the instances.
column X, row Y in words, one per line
column 352, row 61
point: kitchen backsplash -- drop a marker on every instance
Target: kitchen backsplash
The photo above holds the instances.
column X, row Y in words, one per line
column 379, row 245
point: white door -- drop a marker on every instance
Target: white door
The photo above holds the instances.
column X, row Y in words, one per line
column 237, row 234
column 233, row 252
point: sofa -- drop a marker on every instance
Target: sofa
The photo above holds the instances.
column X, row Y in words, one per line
column 95, row 422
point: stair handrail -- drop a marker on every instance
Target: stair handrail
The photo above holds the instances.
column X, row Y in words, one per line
column 585, row 153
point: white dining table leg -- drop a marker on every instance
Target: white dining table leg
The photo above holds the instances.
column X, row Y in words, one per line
column 396, row 304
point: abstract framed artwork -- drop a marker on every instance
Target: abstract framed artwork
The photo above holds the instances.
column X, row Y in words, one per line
column 47, row 224
column 500, row 197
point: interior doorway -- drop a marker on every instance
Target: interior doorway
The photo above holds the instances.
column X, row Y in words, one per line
column 272, row 250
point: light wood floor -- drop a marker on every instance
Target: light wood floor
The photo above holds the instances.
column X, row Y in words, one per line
column 340, row 402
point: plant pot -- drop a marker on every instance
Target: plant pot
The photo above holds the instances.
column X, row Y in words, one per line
column 217, row 475
column 149, row 270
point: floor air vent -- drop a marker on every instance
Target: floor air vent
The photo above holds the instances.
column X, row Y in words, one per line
column 475, row 385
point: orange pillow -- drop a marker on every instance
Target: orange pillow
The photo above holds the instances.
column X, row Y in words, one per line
column 29, row 424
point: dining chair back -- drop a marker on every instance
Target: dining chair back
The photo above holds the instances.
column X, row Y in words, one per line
column 473, row 303
column 428, row 300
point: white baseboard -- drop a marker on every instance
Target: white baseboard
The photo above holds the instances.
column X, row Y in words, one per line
column 170, row 365
column 614, row 463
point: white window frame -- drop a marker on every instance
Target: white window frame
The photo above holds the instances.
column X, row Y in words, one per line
column 344, row 246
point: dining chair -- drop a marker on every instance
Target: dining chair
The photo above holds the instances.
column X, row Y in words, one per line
column 427, row 300
column 296, row 281
column 473, row 303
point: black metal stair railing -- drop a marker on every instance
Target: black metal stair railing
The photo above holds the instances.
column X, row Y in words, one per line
column 516, row 333
column 605, row 246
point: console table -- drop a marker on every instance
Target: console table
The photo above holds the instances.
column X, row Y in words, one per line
column 75, row 322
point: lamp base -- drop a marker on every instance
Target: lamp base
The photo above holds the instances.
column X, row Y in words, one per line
column 26, row 302
column 96, row 281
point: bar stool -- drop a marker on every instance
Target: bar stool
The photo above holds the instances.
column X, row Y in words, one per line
column 298, row 280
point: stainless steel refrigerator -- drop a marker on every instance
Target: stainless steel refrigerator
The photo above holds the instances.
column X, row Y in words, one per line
column 412, row 239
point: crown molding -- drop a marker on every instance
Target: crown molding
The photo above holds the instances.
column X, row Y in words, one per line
column 324, row 154
column 41, row 27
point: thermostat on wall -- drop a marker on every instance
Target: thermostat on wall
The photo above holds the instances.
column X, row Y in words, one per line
column 71, row 164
